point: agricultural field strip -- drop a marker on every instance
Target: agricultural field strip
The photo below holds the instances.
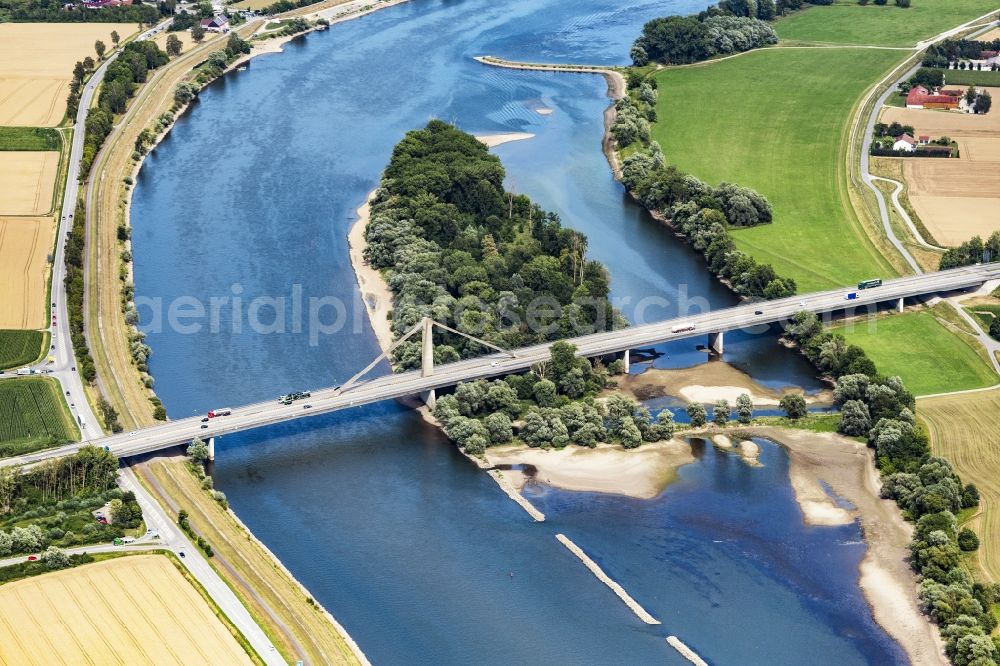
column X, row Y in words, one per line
column 25, row 245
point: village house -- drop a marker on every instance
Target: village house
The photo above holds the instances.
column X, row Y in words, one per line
column 905, row 143
column 216, row 24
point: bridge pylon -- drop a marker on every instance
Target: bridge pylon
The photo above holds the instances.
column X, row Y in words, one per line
column 716, row 344
column 427, row 358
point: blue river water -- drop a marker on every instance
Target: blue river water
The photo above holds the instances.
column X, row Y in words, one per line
column 244, row 210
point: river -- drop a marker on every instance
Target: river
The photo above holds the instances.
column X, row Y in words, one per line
column 410, row 546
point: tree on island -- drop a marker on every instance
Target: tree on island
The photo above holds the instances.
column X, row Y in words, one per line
column 721, row 412
column 696, row 412
column 744, row 408
column 794, row 405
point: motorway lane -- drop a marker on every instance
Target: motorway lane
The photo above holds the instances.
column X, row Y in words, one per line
column 410, row 383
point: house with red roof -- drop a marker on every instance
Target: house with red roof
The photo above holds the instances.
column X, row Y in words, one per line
column 905, row 143
column 920, row 97
column 216, row 24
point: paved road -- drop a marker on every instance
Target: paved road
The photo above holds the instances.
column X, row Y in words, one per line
column 93, row 548
column 63, row 369
column 411, row 383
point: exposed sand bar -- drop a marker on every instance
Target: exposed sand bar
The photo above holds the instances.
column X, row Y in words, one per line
column 885, row 576
column 685, row 651
column 705, row 383
column 616, row 82
column 642, row 473
column 374, row 290
column 492, row 140
column 513, row 493
column 607, row 580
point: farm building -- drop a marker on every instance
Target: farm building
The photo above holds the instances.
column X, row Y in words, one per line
column 906, row 143
column 920, row 97
column 216, row 24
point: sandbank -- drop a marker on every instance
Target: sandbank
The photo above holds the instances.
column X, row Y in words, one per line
column 492, row 140
column 705, row 383
column 374, row 291
column 885, row 576
column 642, row 473
column 544, row 111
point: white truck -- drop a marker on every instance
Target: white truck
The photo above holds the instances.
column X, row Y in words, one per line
column 25, row 371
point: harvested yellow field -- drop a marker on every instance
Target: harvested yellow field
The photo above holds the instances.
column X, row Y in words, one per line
column 25, row 245
column 947, row 123
column 28, row 179
column 963, row 429
column 36, row 66
column 131, row 610
column 954, row 198
column 989, row 36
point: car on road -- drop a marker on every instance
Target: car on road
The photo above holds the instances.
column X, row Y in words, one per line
column 494, row 364
column 181, row 553
column 32, row 558
column 204, row 425
column 758, row 312
column 67, row 392
column 204, row 419
column 306, row 406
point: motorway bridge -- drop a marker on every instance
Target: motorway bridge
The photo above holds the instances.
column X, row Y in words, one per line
column 711, row 325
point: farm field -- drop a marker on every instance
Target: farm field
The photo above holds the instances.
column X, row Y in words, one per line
column 29, row 180
column 29, row 138
column 962, row 429
column 19, row 348
column 252, row 4
column 25, row 245
column 33, row 415
column 787, row 146
column 955, row 198
column 36, row 66
column 916, row 346
column 136, row 610
column 846, row 22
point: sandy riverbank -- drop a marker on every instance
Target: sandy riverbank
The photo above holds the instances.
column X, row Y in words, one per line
column 641, row 473
column 706, row 383
column 886, row 578
column 374, row 291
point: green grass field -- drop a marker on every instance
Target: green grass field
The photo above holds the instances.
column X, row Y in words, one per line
column 18, row 348
column 775, row 120
column 29, row 138
column 846, row 22
column 984, row 314
column 972, row 78
column 33, row 416
column 916, row 346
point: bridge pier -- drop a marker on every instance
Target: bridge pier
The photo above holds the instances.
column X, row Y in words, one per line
column 715, row 342
column 211, row 448
column 626, row 360
column 427, row 359
column 899, row 305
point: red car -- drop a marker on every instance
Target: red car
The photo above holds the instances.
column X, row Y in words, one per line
column 32, row 558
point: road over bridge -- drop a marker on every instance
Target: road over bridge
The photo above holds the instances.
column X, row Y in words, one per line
column 416, row 382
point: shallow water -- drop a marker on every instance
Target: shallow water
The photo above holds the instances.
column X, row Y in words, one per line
column 409, row 545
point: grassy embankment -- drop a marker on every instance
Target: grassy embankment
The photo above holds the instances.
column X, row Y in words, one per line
column 33, row 416
column 297, row 626
column 963, row 429
column 930, row 356
column 846, row 22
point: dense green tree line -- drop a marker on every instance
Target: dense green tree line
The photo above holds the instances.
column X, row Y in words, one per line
column 52, row 11
column 457, row 247
column 703, row 215
column 553, row 405
column 74, row 284
column 120, row 82
column 926, row 488
column 971, row 252
column 948, row 51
